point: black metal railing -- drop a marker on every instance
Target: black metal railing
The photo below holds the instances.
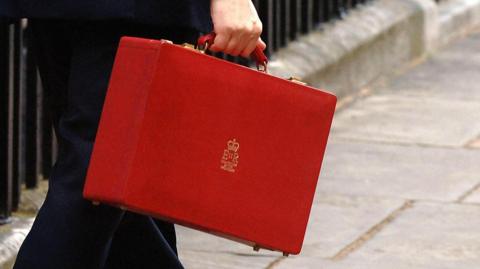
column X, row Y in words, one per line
column 27, row 144
column 285, row 20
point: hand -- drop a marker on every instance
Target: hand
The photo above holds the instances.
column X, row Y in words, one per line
column 237, row 27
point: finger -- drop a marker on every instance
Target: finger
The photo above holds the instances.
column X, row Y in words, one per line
column 258, row 42
column 238, row 43
column 261, row 44
column 252, row 44
column 244, row 42
column 255, row 38
column 221, row 42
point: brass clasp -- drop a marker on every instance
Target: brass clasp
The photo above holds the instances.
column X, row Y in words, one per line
column 192, row 47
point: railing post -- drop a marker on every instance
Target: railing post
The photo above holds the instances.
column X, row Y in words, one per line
column 277, row 30
column 6, row 57
column 284, row 22
column 16, row 113
column 307, row 16
column 295, row 18
column 31, row 110
column 266, row 13
column 327, row 10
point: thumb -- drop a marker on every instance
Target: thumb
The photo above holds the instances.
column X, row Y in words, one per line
column 261, row 44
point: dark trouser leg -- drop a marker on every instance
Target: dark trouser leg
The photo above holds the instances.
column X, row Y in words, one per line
column 75, row 64
column 69, row 232
column 149, row 244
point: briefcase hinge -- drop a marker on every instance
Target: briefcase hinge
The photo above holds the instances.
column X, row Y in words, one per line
column 297, row 80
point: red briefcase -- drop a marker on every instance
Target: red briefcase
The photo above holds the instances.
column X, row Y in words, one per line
column 209, row 144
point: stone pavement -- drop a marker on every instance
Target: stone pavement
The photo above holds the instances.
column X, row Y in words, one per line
column 13, row 234
column 400, row 186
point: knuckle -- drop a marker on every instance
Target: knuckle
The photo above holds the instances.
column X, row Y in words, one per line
column 219, row 28
column 226, row 29
column 257, row 23
column 239, row 29
column 257, row 29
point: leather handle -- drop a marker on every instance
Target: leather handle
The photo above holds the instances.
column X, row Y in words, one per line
column 260, row 58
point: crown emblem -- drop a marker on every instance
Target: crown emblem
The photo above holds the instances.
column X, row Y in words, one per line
column 230, row 156
column 233, row 145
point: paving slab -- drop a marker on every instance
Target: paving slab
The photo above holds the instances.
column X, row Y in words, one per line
column 11, row 238
column 349, row 263
column 401, row 171
column 309, row 263
column 335, row 221
column 193, row 240
column 32, row 199
column 474, row 197
column 436, row 103
column 393, row 118
column 212, row 260
column 451, row 73
column 474, row 143
column 429, row 235
column 432, row 80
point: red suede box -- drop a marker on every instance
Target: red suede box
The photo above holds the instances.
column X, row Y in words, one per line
column 209, row 144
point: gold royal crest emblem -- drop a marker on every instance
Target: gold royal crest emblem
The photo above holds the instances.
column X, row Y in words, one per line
column 230, row 156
